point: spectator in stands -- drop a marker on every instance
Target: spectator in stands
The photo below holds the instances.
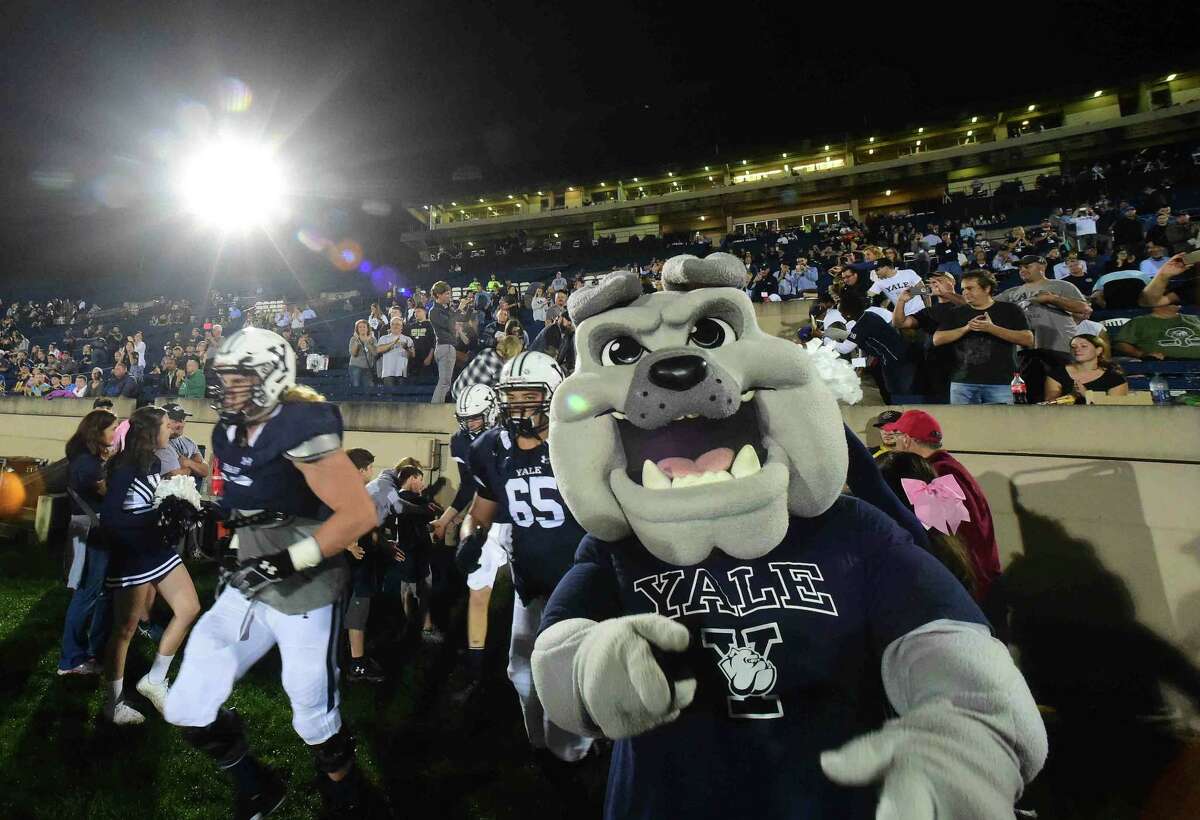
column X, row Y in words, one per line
column 538, row 305
column 486, row 366
column 443, row 352
column 195, row 385
column 170, row 377
column 1165, row 333
column 1127, row 231
column 1079, row 276
column 1052, row 308
column 80, row 387
column 139, row 345
column 421, row 332
column 873, row 334
column 376, row 320
column 1154, row 261
column 120, row 384
column 1092, row 369
column 557, row 307
column 95, row 385
column 394, row 349
column 984, row 335
column 889, row 281
column 83, row 642
column 363, row 353
column 1123, row 260
column 763, row 287
column 1182, row 235
column 494, row 331
column 558, row 283
column 918, row 432
column 213, row 343
column 181, row 455
column 60, row 388
column 1156, row 234
column 136, row 368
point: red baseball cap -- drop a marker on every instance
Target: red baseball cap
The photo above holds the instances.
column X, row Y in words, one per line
column 917, row 424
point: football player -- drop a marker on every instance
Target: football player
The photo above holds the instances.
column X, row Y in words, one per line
column 477, row 412
column 513, row 476
column 295, row 501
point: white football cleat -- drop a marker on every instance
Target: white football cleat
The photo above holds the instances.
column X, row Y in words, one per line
column 122, row 714
column 156, row 693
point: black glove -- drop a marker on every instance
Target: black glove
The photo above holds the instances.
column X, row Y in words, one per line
column 469, row 551
column 257, row 573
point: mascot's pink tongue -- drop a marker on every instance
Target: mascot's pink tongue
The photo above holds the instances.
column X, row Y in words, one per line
column 712, row 461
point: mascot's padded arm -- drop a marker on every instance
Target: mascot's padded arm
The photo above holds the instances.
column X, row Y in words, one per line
column 594, row 671
column 969, row 735
column 867, row 483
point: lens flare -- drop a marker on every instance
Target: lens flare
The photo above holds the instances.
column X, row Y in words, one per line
column 346, row 255
column 577, row 403
column 12, row 495
column 235, row 95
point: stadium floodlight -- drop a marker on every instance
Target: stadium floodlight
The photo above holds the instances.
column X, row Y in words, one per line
column 1098, row 94
column 826, row 147
column 1171, row 77
column 888, row 192
column 1031, row 108
column 872, row 139
column 974, row 120
column 233, row 184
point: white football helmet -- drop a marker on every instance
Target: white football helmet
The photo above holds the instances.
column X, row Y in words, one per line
column 528, row 370
column 477, row 401
column 267, row 360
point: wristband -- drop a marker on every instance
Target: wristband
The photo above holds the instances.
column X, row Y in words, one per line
column 305, row 554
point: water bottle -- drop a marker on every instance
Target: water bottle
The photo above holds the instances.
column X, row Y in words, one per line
column 1018, row 390
column 1160, row 391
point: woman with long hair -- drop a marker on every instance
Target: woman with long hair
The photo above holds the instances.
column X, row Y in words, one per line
column 141, row 564
column 89, row 615
column 362, row 356
column 949, row 549
column 1091, row 368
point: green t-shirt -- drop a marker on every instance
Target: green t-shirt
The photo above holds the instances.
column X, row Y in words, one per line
column 1177, row 338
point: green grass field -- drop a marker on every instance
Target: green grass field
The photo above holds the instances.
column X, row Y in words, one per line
column 423, row 757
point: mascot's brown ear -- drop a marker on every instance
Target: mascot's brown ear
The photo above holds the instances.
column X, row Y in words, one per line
column 617, row 289
column 717, row 270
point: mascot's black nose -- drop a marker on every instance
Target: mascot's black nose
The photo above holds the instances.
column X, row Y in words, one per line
column 678, row 372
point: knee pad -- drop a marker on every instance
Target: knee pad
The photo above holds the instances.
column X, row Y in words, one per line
column 332, row 755
column 224, row 740
column 358, row 612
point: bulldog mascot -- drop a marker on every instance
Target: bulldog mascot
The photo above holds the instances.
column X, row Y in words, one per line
column 758, row 644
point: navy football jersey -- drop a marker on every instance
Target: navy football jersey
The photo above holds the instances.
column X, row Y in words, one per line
column 786, row 651
column 545, row 535
column 259, row 477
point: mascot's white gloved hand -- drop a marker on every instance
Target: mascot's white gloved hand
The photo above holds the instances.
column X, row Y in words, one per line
column 937, row 761
column 603, row 676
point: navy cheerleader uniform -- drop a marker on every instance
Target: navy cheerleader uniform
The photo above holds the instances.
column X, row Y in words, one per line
column 130, row 522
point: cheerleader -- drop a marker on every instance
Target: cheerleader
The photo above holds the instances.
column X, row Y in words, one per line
column 140, row 563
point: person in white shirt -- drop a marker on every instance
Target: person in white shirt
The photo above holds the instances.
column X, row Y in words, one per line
column 1084, row 220
column 890, row 282
column 394, row 350
column 308, row 314
column 139, row 345
column 558, row 283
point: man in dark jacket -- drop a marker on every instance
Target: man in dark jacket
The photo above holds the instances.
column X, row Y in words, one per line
column 406, row 530
column 121, row 385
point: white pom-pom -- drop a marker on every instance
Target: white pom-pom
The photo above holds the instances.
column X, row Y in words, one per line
column 835, row 371
column 179, row 486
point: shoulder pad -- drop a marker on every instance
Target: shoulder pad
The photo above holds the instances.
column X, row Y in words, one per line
column 315, row 448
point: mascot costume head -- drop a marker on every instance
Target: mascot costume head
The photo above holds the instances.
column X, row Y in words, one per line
column 757, row 644
column 687, row 425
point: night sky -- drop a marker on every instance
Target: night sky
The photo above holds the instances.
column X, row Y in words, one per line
column 387, row 99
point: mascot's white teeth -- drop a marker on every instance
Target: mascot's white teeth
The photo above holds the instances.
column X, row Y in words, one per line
column 618, row 415
column 749, row 394
column 744, row 465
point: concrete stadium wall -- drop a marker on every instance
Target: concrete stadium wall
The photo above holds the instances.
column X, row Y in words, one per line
column 1117, row 485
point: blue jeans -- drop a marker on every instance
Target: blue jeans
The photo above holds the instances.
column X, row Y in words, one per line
column 980, row 393
column 360, row 378
column 91, row 599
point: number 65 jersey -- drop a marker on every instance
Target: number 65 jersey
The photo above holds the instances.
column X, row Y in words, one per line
column 545, row 535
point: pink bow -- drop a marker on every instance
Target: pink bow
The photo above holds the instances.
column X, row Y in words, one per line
column 938, row 504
